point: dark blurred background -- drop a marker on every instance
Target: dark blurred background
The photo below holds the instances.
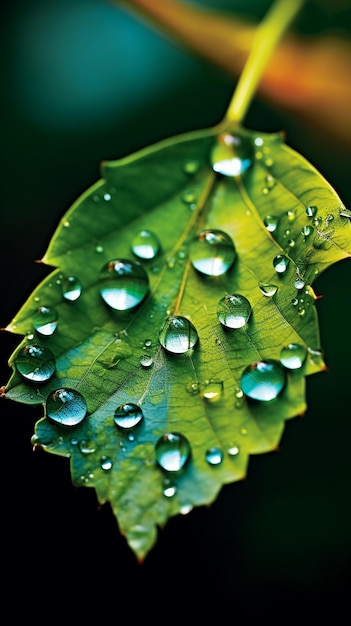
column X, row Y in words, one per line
column 85, row 81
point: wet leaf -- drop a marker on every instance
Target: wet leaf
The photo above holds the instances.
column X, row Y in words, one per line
column 175, row 335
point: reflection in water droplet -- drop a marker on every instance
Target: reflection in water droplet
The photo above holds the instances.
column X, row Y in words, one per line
column 66, row 407
column 293, row 355
column 214, row 456
column 311, row 211
column 145, row 245
column 268, row 289
column 128, row 415
column 234, row 311
column 106, row 463
column 169, row 488
column 45, row 320
column 71, row 288
column 263, row 380
column 35, row 363
column 211, row 390
column 87, row 447
column 271, row 222
column 232, row 155
column 281, row 263
column 172, row 451
column 124, row 284
column 178, row 334
column 212, row 252
column 146, row 360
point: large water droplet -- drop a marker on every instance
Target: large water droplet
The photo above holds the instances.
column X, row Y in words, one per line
column 128, row 415
column 233, row 311
column 35, row 363
column 66, row 407
column 172, row 451
column 212, row 252
column 263, row 380
column 71, row 288
column 268, row 289
column 45, row 320
column 281, row 263
column 145, row 245
column 293, row 356
column 178, row 334
column 124, row 284
column 232, row 155
column 271, row 222
column 214, row 456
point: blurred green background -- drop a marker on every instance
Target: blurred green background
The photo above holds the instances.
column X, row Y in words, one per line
column 85, row 81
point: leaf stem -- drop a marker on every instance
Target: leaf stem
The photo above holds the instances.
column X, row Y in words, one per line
column 267, row 36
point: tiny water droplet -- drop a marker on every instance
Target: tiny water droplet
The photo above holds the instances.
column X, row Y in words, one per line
column 301, row 311
column 214, row 456
column 66, row 224
column 45, row 320
column 124, row 284
column 291, row 243
column 299, row 283
column 263, row 380
column 294, row 301
column 211, row 390
column 232, row 155
column 189, row 196
column 172, row 451
column 66, row 407
column 258, row 141
column 270, row 181
column 293, row 356
column 281, row 263
column 147, row 343
column 131, row 437
column 35, row 363
column 192, row 387
column 311, row 211
column 146, row 360
column 191, row 167
column 106, row 463
column 185, row 508
column 307, row 230
column 233, row 449
column 87, row 447
column 238, row 392
column 317, row 221
column 268, row 161
column 291, row 215
column 128, row 415
column 268, row 289
column 107, row 197
column 271, row 222
column 243, row 431
column 177, row 334
column 145, row 245
column 234, row 311
column 329, row 218
column 71, row 288
column 96, row 198
column 169, row 488
column 212, row 253
column 99, row 249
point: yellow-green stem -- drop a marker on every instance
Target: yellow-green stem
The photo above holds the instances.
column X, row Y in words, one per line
column 271, row 29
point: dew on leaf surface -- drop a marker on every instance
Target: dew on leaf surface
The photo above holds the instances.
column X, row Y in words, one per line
column 268, row 289
column 124, row 284
column 106, row 463
column 233, row 449
column 35, row 363
column 177, row 334
column 232, row 155
column 128, row 415
column 66, row 406
column 146, row 360
column 191, row 167
column 281, row 263
column 45, row 320
column 169, row 488
column 234, row 311
column 311, row 211
column 87, row 447
column 214, row 456
column 271, row 222
column 307, row 231
column 293, row 355
column 212, row 252
column 211, row 390
column 71, row 288
column 263, row 380
column 145, row 245
column 172, row 451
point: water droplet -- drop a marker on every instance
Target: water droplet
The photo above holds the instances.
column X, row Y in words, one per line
column 147, row 343
column 191, row 167
column 145, row 245
column 243, row 431
column 270, row 181
column 299, row 282
column 281, row 263
column 106, row 463
column 301, row 311
column 268, row 161
column 87, row 447
column 291, row 243
column 99, row 249
column 263, row 380
column 214, row 456
column 317, row 221
column 146, row 360
column 212, row 252
column 66, row 407
column 178, row 334
column 271, row 222
column 258, row 141
column 128, row 415
column 291, row 215
column 124, row 284
column 211, row 390
column 71, row 288
column 189, row 196
column 293, row 355
column 345, row 213
column 233, row 449
column 169, row 488
column 172, row 451
column 185, row 508
column 35, row 363
column 232, row 155
column 66, row 224
column 45, row 320
column 268, row 289
column 329, row 218
column 307, row 230
column 192, row 387
column 311, row 211
column 234, row 311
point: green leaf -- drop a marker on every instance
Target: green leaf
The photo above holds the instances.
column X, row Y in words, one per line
column 186, row 378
